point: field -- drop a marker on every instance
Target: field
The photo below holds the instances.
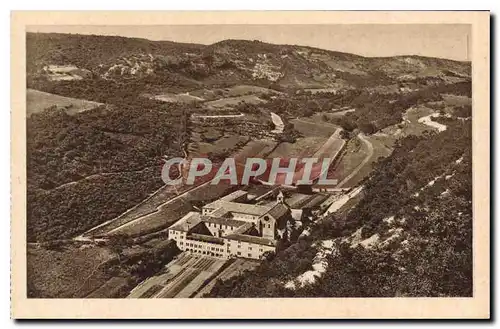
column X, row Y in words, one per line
column 241, row 90
column 303, row 147
column 233, row 101
column 255, row 149
column 181, row 278
column 379, row 149
column 142, row 209
column 457, row 100
column 355, row 152
column 321, row 90
column 170, row 211
column 308, row 127
column 178, row 98
column 234, row 91
column 332, row 146
column 37, row 101
column 228, row 142
column 333, row 114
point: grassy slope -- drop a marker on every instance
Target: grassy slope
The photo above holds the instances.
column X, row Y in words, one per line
column 37, row 101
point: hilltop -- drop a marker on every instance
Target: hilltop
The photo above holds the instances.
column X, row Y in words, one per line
column 229, row 61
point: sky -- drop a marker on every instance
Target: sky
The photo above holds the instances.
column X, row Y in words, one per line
column 434, row 40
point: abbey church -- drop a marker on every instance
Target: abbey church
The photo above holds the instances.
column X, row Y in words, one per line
column 234, row 227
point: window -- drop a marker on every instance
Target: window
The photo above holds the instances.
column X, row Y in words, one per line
column 249, row 248
column 239, row 253
column 239, row 246
column 181, row 243
column 249, row 255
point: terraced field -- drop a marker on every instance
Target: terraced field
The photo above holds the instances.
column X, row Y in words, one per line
column 181, row 278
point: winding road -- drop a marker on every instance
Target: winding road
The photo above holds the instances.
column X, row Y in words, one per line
column 363, row 163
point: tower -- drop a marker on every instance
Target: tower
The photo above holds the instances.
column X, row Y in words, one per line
column 280, row 198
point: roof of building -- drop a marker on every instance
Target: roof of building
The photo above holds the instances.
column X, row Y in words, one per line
column 243, row 228
column 221, row 212
column 300, row 201
column 278, row 211
column 296, row 199
column 223, row 221
column 242, row 208
column 316, row 200
column 187, row 222
column 205, row 238
column 251, row 239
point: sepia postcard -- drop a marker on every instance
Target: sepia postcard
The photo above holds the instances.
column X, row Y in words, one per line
column 250, row 165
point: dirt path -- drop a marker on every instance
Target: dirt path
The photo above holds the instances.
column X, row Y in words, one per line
column 95, row 176
column 363, row 163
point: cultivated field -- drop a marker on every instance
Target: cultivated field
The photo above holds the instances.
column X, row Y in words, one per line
column 181, row 278
column 303, row 147
column 37, row 101
column 308, row 127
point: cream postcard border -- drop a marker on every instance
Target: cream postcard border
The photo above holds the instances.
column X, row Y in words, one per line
column 247, row 308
